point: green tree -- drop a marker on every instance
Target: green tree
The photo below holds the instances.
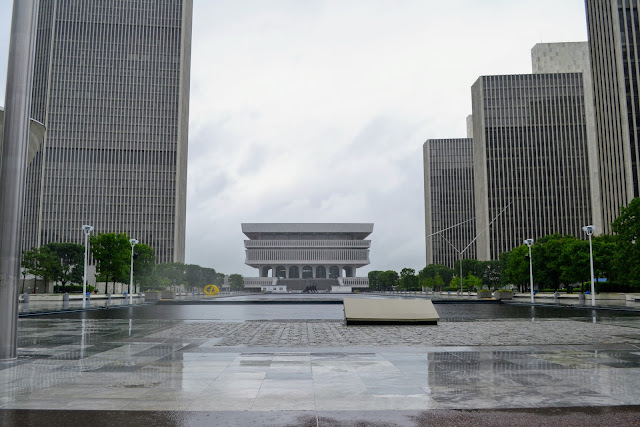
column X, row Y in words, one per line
column 517, row 267
column 144, row 263
column 219, row 279
column 547, row 259
column 388, row 280
column 28, row 264
column 627, row 258
column 574, row 261
column 408, row 279
column 71, row 259
column 472, row 282
column 373, row 280
column 112, row 252
column 431, row 270
column 209, row 276
column 194, row 276
column 236, row 282
column 174, row 272
column 42, row 263
column 472, row 266
column 157, row 282
column 438, row 282
column 605, row 249
column 455, row 282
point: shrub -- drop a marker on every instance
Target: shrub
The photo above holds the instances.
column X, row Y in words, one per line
column 72, row 289
column 606, row 287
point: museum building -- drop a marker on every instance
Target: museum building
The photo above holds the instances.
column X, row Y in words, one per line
column 297, row 256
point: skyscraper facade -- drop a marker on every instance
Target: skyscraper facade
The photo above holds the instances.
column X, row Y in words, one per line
column 111, row 85
column 530, row 159
column 449, row 200
column 614, row 32
column 573, row 57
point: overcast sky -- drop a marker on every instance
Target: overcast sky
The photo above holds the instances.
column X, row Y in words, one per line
column 316, row 111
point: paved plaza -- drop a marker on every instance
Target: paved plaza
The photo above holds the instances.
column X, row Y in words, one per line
column 300, row 372
column 321, row 365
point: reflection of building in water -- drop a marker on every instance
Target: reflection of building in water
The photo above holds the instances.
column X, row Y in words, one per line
column 292, row 257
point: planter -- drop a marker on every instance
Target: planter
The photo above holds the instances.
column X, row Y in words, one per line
column 152, row 296
column 168, row 295
column 502, row 295
column 484, row 294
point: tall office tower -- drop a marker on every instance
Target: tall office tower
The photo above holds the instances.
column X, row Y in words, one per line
column 573, row 57
column 530, row 159
column 614, row 32
column 111, row 85
column 449, row 200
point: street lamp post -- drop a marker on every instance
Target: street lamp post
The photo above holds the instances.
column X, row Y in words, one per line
column 459, row 258
column 133, row 243
column 87, row 229
column 460, row 273
column 529, row 243
column 589, row 229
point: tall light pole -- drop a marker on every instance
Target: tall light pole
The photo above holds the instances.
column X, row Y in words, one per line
column 459, row 258
column 529, row 242
column 87, row 229
column 460, row 252
column 133, row 243
column 460, row 273
column 589, row 229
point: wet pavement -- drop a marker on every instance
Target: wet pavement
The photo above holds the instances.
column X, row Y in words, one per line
column 295, row 364
column 566, row 417
column 36, row 307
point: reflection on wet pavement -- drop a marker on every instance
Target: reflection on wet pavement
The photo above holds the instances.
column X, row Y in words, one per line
column 162, row 364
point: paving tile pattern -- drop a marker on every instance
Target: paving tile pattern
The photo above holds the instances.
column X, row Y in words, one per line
column 298, row 366
column 506, row 332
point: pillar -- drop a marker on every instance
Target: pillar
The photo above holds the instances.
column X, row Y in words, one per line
column 13, row 166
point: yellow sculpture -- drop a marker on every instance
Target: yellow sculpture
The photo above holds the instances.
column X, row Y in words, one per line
column 211, row 290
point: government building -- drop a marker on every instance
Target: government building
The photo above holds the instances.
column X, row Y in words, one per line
column 292, row 257
column 528, row 167
column 449, row 200
column 111, row 86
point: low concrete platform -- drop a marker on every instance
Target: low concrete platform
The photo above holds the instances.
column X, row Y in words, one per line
column 369, row 311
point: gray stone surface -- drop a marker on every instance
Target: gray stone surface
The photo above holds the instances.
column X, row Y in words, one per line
column 321, row 367
column 494, row 332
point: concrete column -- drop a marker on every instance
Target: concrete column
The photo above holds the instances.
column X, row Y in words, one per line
column 13, row 166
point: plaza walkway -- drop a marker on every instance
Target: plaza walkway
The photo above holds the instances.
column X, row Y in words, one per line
column 320, row 372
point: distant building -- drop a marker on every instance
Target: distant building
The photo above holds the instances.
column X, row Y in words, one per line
column 111, row 86
column 613, row 45
column 530, row 159
column 297, row 256
column 449, row 200
column 573, row 57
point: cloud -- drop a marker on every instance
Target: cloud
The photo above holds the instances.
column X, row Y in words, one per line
column 316, row 111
